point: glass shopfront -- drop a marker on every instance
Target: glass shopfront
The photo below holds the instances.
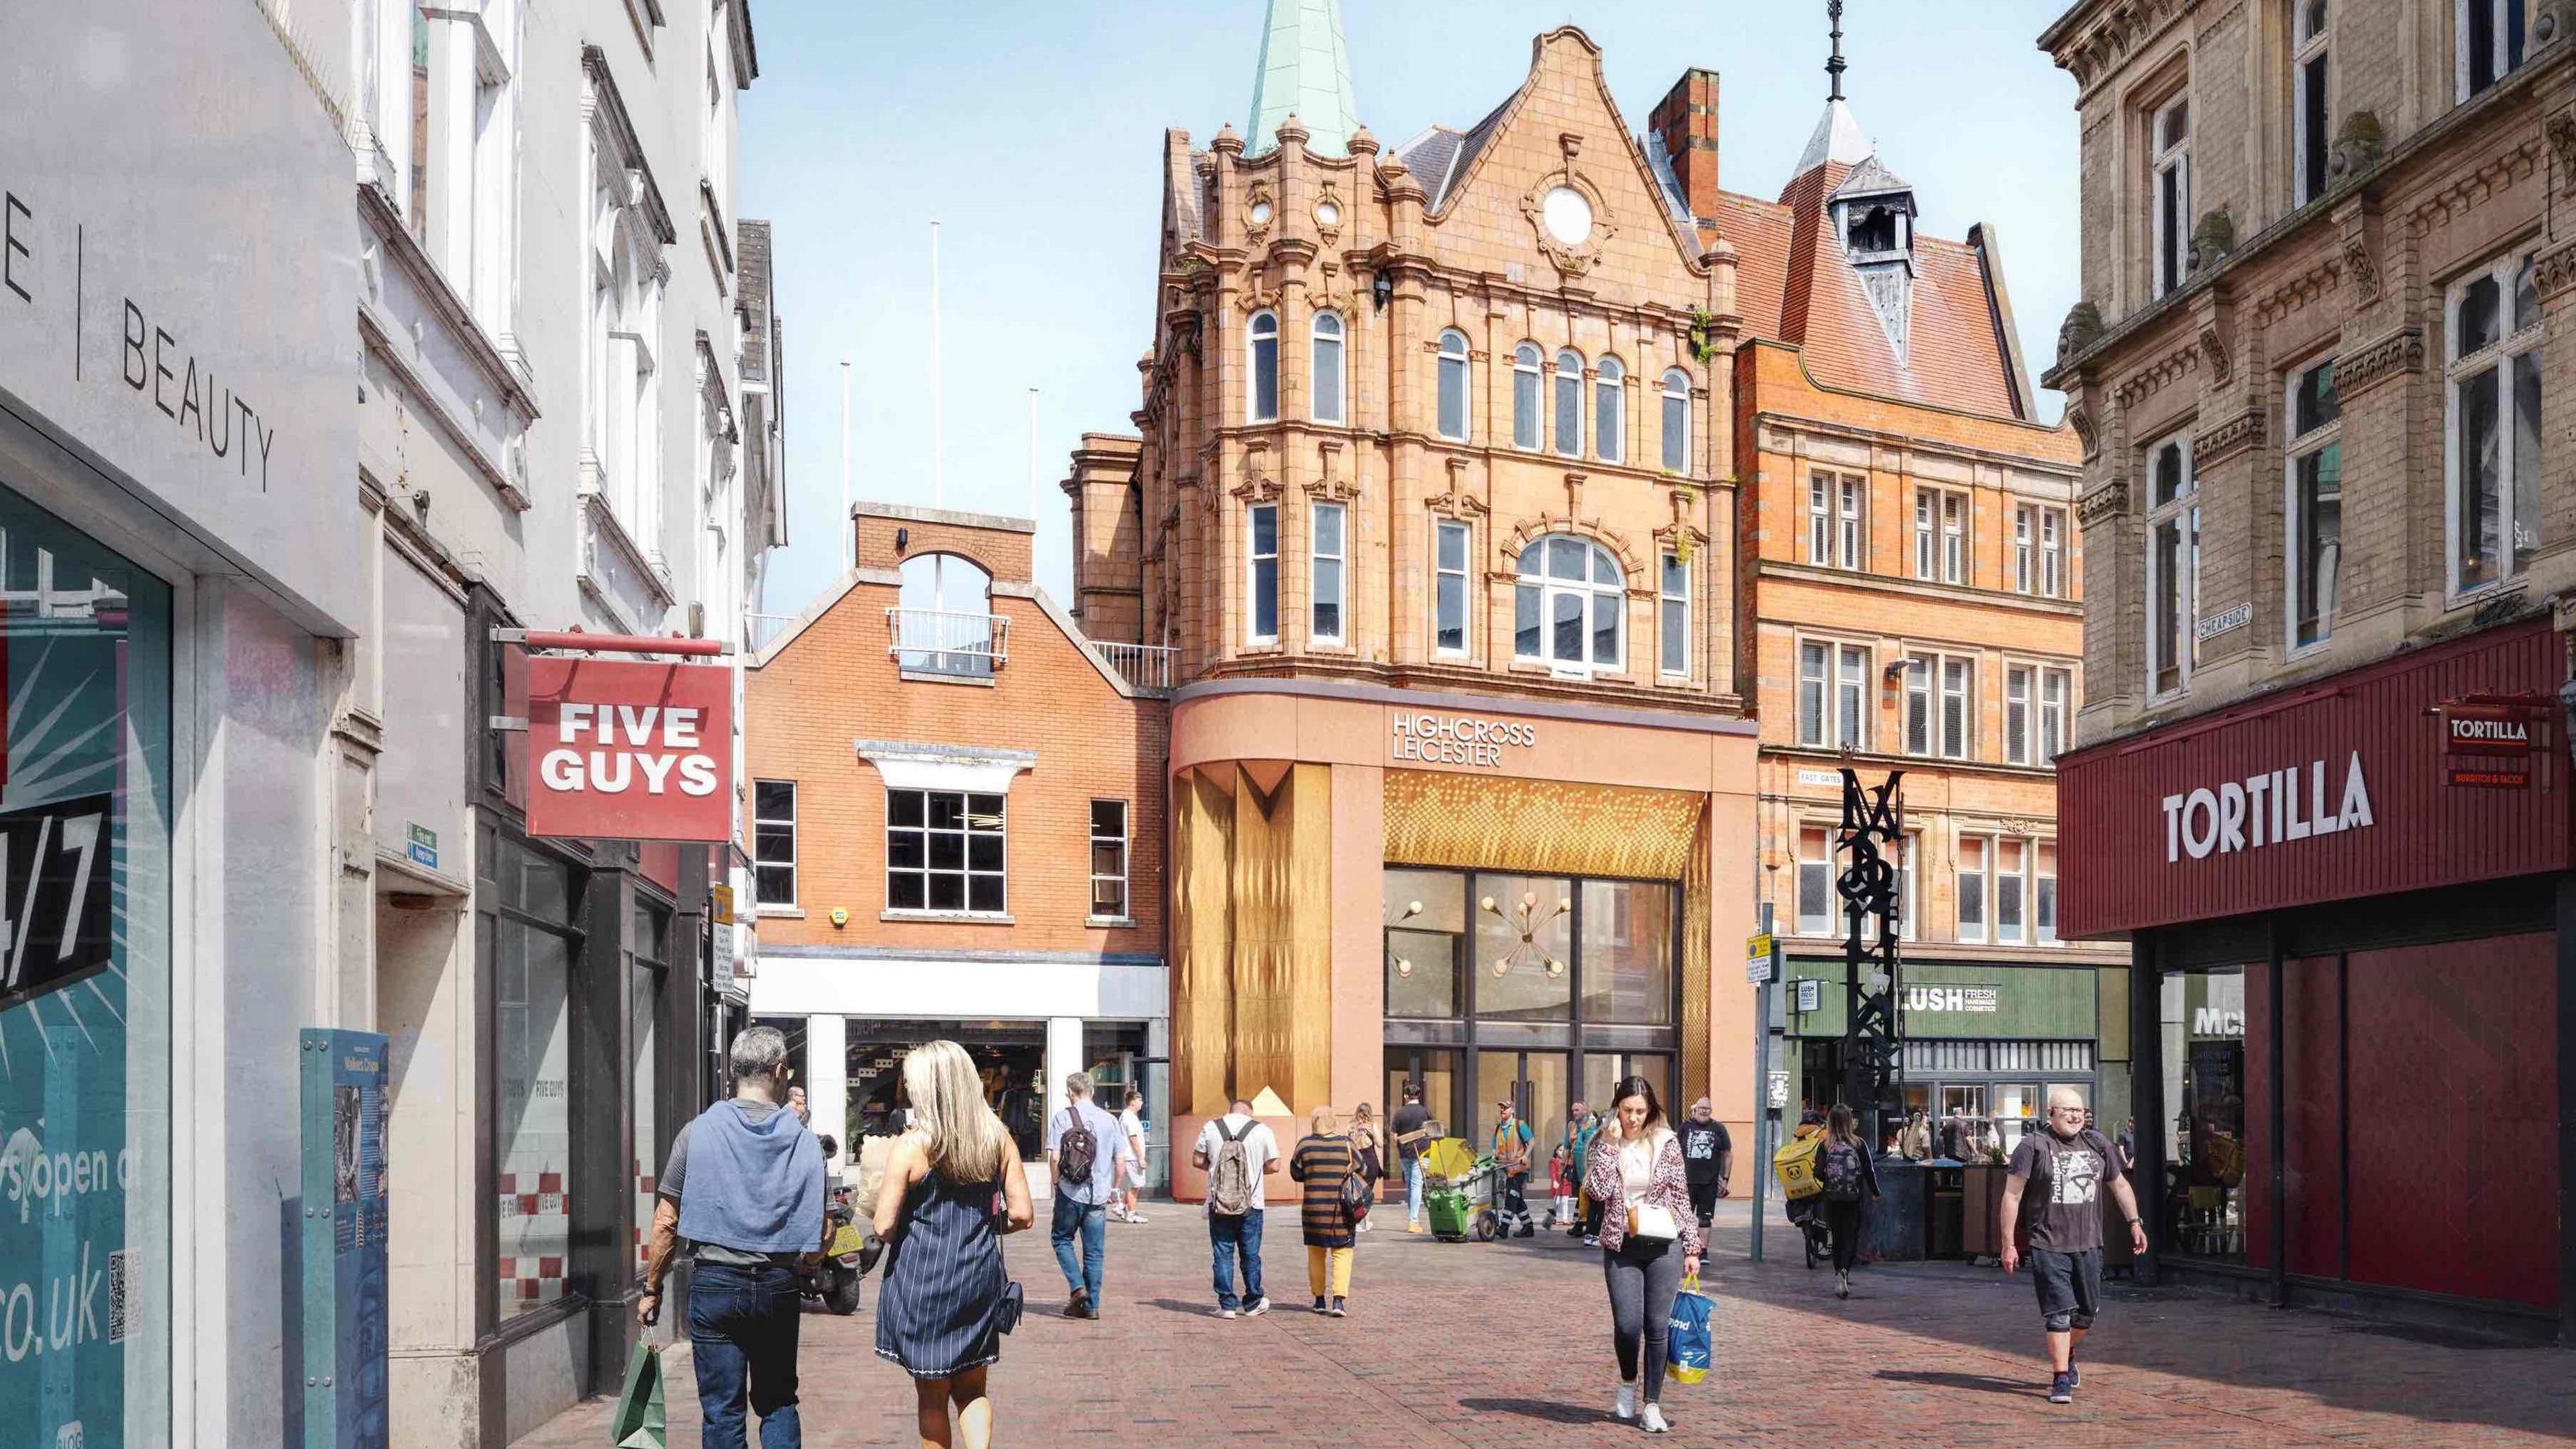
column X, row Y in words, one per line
column 85, row 1009
column 2204, row 1057
column 1540, row 990
column 1010, row 1057
column 536, row 940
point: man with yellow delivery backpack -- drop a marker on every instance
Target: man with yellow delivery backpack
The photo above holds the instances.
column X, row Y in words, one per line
column 1795, row 1165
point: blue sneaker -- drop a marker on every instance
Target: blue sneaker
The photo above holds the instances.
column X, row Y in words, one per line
column 2074, row 1375
column 2061, row 1389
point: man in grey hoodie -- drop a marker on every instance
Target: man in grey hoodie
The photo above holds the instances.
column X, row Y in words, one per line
column 744, row 1189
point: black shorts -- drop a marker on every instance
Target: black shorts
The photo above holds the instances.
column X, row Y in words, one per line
column 2070, row 1287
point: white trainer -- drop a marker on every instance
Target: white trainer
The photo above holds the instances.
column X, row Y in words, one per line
column 1626, row 1408
column 1653, row 1422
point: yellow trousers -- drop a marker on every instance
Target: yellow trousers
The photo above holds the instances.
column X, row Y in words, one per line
column 1332, row 1263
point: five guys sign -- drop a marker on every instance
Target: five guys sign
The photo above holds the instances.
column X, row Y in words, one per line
column 630, row 751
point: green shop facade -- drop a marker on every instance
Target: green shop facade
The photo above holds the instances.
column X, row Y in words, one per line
column 1983, row 1041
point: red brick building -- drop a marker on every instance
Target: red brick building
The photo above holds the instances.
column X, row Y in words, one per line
column 957, row 825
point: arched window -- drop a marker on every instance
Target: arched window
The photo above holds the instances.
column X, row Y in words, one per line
column 1525, row 396
column 1453, row 384
column 1570, row 608
column 1676, row 421
column 1569, row 403
column 943, row 622
column 1327, row 358
column 1609, row 412
column 1264, row 347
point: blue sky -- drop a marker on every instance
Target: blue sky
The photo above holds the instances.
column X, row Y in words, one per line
column 1032, row 132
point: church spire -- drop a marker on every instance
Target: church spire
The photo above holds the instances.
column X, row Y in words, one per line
column 1303, row 72
column 1834, row 67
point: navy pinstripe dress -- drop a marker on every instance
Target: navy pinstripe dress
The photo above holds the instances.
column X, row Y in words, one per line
column 938, row 1314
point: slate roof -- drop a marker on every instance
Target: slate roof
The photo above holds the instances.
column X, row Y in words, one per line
column 1870, row 178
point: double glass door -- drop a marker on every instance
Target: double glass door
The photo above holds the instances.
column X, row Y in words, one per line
column 1535, row 1083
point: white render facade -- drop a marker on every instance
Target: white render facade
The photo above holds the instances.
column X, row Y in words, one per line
column 554, row 433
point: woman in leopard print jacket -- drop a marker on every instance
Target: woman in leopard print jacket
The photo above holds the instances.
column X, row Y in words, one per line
column 1649, row 1238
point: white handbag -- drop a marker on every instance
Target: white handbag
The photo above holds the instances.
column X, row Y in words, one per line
column 1653, row 1222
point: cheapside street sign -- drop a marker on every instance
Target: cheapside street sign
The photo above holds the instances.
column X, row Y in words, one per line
column 630, row 751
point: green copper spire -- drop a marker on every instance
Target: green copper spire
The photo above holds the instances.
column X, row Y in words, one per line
column 1304, row 72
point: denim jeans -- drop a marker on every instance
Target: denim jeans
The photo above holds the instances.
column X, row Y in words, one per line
column 1413, row 1193
column 742, row 1329
column 1092, row 1222
column 1230, row 1238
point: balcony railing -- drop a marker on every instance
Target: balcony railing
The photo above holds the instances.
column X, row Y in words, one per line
column 1146, row 667
column 762, row 630
column 935, row 641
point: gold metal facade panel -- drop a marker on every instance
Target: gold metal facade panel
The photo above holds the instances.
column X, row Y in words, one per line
column 1202, row 996
column 1265, row 926
column 1543, row 827
column 1309, row 984
column 1697, row 902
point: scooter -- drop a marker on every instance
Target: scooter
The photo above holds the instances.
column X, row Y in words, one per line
column 847, row 1258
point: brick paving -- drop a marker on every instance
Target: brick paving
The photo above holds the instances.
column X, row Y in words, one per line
column 1506, row 1346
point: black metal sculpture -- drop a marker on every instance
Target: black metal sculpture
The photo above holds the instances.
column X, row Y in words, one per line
column 1873, row 830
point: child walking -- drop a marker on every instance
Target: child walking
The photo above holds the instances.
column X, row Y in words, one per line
column 1560, row 1183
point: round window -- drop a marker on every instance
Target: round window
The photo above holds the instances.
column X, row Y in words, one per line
column 1261, row 213
column 1568, row 215
column 1327, row 214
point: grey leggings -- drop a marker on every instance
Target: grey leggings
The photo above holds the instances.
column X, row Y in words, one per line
column 1643, row 1276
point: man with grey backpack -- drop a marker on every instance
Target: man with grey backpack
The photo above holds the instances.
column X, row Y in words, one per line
column 1237, row 1151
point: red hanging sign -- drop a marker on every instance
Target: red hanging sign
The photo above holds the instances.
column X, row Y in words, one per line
column 629, row 751
column 2488, row 744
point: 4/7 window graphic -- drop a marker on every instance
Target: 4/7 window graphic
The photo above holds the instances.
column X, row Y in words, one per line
column 54, row 915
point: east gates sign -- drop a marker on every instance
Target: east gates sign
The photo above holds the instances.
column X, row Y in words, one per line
column 630, row 751
column 2334, row 790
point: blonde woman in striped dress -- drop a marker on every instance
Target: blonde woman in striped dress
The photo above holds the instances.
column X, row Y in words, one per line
column 953, row 1187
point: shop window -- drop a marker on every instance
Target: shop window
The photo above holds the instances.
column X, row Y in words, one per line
column 2493, row 380
column 2169, row 216
column 86, row 1092
column 944, row 852
column 2315, row 503
column 1262, row 343
column 1569, row 403
column 534, row 946
column 1426, row 936
column 1628, row 939
column 1524, row 947
column 1327, row 573
column 2173, row 564
column 2011, row 890
column 773, row 842
column 1330, row 381
column 1674, row 616
column 1816, row 882
column 1263, row 570
column 2203, row 1014
column 1972, row 888
column 1676, row 431
column 1525, row 396
column 2490, row 43
column 1449, row 601
column 651, row 944
column 1109, row 860
column 1610, row 411
column 2310, row 128
column 1453, row 385
column 1570, row 606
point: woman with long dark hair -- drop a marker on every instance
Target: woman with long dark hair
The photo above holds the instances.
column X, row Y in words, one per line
column 1649, row 1238
column 1843, row 1166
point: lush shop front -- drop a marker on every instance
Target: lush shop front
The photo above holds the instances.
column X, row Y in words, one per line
column 2351, row 983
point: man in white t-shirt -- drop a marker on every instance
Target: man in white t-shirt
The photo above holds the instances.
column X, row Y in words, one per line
column 1131, row 1174
column 1237, row 1151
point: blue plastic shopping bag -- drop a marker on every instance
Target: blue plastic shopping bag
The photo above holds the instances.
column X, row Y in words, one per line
column 1688, row 1348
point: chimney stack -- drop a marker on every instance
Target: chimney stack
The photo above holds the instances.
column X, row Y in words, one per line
column 1686, row 122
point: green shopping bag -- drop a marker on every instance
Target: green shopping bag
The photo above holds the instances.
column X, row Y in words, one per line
column 639, row 1422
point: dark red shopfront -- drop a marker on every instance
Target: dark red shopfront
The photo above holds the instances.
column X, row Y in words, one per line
column 2350, row 1015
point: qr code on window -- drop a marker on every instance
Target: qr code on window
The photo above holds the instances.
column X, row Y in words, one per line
column 116, row 1296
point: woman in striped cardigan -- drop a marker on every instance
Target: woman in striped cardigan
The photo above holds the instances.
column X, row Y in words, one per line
column 1322, row 1161
column 1649, row 1237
